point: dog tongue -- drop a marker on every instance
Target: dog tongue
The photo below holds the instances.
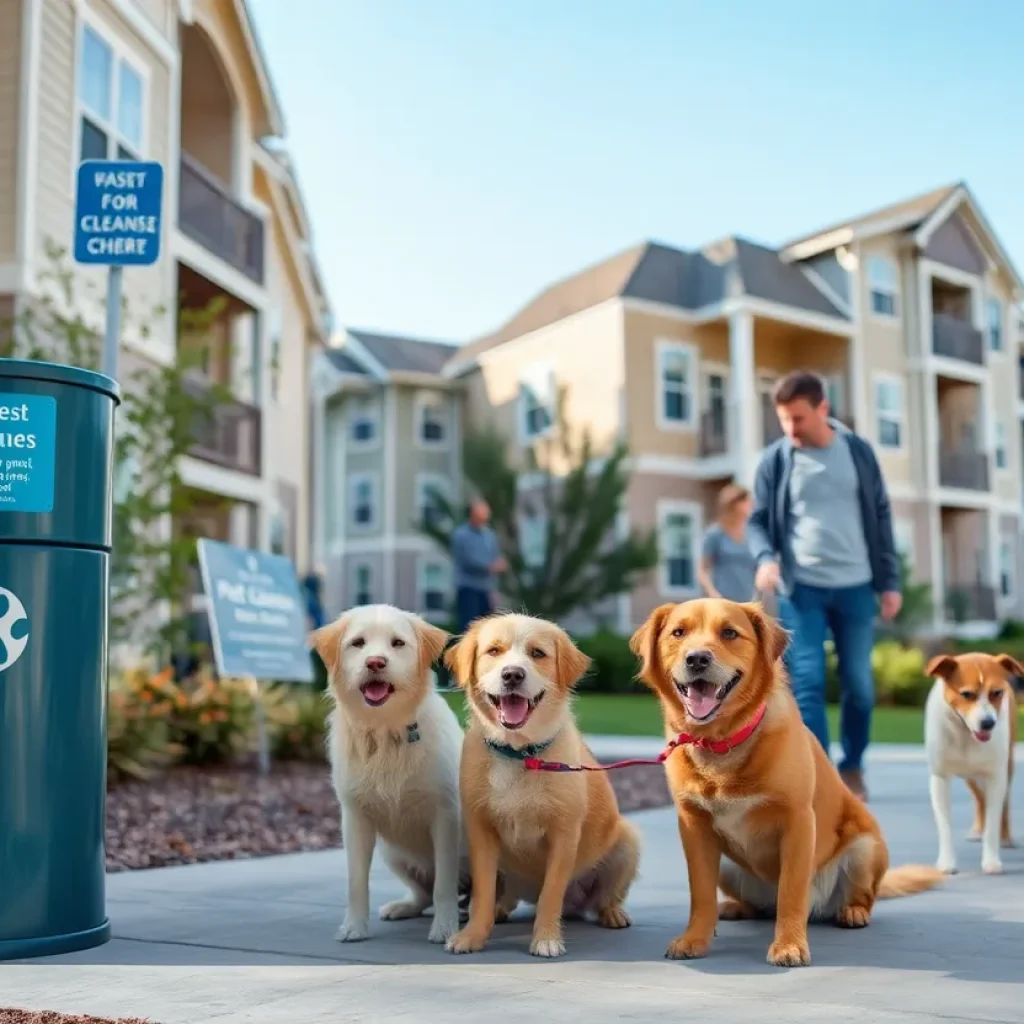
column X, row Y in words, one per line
column 514, row 708
column 377, row 690
column 700, row 703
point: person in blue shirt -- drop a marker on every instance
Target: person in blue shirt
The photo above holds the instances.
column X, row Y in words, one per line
column 726, row 565
column 477, row 561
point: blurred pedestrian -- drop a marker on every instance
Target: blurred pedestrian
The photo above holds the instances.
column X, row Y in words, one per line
column 477, row 559
column 726, row 566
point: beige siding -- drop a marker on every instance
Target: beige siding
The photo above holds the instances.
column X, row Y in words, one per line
column 1005, row 393
column 10, row 101
column 585, row 355
column 145, row 287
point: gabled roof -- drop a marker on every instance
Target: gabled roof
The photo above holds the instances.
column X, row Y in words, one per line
column 689, row 280
column 343, row 362
column 403, row 354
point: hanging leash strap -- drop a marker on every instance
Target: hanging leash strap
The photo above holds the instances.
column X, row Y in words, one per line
column 536, row 764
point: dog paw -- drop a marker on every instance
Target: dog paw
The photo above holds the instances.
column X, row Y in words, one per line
column 853, row 917
column 687, row 947
column 465, row 942
column 992, row 866
column 973, row 836
column 789, row 954
column 613, row 917
column 1008, row 843
column 946, row 865
column 548, row 948
column 400, row 910
column 444, row 926
column 353, row 930
column 733, row 910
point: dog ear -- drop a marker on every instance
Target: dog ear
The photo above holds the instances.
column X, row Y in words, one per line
column 570, row 661
column 431, row 640
column 771, row 637
column 941, row 666
column 1011, row 664
column 644, row 642
column 326, row 641
column 461, row 657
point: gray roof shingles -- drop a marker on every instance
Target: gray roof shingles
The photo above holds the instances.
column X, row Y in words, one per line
column 410, row 355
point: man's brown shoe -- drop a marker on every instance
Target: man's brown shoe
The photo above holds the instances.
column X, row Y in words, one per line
column 855, row 783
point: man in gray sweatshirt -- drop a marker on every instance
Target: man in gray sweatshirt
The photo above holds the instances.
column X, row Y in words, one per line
column 477, row 559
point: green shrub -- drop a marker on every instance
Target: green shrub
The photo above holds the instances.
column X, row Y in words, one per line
column 613, row 667
column 299, row 724
column 899, row 674
column 213, row 719
column 139, row 742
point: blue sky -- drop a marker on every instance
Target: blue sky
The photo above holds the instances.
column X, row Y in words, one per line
column 459, row 155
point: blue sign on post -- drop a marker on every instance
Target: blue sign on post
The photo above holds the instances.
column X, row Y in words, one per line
column 118, row 208
column 257, row 616
column 28, row 447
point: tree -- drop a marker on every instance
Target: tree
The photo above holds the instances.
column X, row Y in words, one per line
column 559, row 532
column 162, row 408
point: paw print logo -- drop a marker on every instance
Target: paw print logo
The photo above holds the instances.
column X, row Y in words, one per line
column 13, row 629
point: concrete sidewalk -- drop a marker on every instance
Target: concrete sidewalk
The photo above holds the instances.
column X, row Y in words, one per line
column 253, row 942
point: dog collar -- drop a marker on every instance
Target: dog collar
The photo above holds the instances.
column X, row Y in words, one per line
column 518, row 753
column 722, row 746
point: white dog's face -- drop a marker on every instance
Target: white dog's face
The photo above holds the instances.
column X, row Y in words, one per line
column 518, row 672
column 378, row 657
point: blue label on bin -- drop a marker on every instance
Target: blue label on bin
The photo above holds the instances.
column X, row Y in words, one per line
column 28, row 443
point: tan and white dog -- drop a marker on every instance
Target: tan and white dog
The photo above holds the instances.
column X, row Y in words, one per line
column 557, row 838
column 394, row 746
column 970, row 727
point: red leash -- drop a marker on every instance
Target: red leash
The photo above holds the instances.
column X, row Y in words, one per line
column 684, row 739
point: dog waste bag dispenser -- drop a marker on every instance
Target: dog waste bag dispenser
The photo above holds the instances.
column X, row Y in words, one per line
column 56, row 461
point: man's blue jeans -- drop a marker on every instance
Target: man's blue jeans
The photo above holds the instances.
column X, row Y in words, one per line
column 849, row 612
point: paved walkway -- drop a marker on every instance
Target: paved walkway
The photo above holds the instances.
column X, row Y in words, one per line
column 189, row 941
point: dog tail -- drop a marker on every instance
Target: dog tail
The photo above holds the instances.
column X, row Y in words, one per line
column 908, row 879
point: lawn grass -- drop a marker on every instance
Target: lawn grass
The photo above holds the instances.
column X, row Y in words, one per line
column 638, row 715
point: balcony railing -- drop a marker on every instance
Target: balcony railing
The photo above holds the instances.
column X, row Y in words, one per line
column 972, row 603
column 226, row 433
column 211, row 216
column 714, row 438
column 965, row 469
column 957, row 339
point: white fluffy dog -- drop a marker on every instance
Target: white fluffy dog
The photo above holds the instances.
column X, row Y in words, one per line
column 394, row 747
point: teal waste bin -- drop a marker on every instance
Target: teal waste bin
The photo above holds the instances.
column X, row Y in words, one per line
column 56, row 480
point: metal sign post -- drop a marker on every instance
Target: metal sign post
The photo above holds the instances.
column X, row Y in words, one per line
column 118, row 223
column 257, row 622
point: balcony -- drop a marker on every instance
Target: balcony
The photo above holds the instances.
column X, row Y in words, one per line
column 972, row 603
column 714, row 439
column 957, row 339
column 965, row 469
column 226, row 433
column 211, row 216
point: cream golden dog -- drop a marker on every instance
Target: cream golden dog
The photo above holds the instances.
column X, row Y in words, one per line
column 763, row 813
column 557, row 838
column 394, row 747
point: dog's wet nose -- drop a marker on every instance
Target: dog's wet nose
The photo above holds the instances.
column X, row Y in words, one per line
column 987, row 724
column 376, row 663
column 512, row 675
column 698, row 661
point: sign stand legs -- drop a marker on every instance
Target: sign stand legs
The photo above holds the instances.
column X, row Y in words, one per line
column 112, row 338
column 262, row 740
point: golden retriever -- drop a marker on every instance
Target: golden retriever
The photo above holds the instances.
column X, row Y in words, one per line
column 558, row 839
column 394, row 747
column 752, row 785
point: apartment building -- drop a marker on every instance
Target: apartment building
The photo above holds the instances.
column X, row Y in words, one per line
column 182, row 82
column 388, row 429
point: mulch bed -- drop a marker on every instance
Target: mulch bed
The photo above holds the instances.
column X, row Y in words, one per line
column 52, row 1017
column 192, row 815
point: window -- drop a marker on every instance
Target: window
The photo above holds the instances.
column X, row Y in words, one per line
column 889, row 411
column 536, row 402
column 994, row 311
column 717, row 386
column 883, row 280
column 1002, row 459
column 678, row 541
column 363, row 500
column 834, row 394
column 111, row 100
column 433, row 587
column 903, row 535
column 363, row 423
column 675, row 364
column 533, row 539
column 362, row 584
column 430, row 490
column 433, row 420
column 1006, row 573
